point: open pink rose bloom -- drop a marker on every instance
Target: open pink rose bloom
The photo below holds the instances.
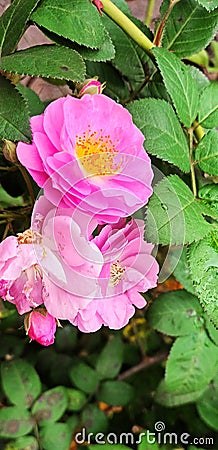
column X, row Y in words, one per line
column 83, row 259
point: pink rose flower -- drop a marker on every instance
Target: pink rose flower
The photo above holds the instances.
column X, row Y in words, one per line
column 87, row 153
column 40, row 326
column 20, row 275
column 129, row 268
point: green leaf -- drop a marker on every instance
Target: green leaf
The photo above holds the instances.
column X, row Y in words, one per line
column 94, row 420
column 109, row 446
column 189, row 28
column 110, row 360
column 76, row 399
column 46, row 61
column 167, row 398
column 174, row 216
column 50, row 406
column 15, row 422
column 163, row 133
column 35, row 106
column 181, row 272
column 200, row 79
column 207, row 405
column 13, row 23
column 78, row 21
column 55, row 436
column 208, row 107
column 14, row 117
column 192, row 363
column 209, row 194
column 84, row 378
column 206, row 153
column 116, row 393
column 176, row 313
column 21, row 374
column 208, row 4
column 212, row 331
column 25, row 443
column 180, row 85
column 104, row 53
column 203, row 261
column 115, row 86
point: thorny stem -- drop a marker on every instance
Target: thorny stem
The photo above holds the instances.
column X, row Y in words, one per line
column 159, row 33
column 149, row 12
column 28, row 183
column 128, row 26
column 193, row 179
column 147, row 362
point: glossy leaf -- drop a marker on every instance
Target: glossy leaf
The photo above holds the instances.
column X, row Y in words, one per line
column 208, row 107
column 162, row 130
column 208, row 4
column 13, row 23
column 51, row 61
column 56, row 435
column 15, row 422
column 192, row 363
column 190, row 27
column 21, row 374
column 50, row 406
column 94, row 420
column 111, row 358
column 84, row 377
column 14, row 116
column 180, row 85
column 206, row 153
column 176, row 313
column 78, row 21
column 174, row 216
column 116, row 393
column 203, row 261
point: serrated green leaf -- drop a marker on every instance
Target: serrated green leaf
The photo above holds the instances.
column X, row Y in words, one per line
column 209, row 194
column 206, row 153
column 176, row 313
column 15, row 422
column 163, row 133
column 208, row 106
column 181, row 272
column 203, row 261
column 208, row 4
column 212, row 331
column 56, row 435
column 181, row 87
column 13, row 22
column 14, row 117
column 84, row 377
column 116, row 393
column 50, row 406
column 192, row 363
column 200, row 79
column 174, row 216
column 190, row 27
column 21, row 374
column 46, row 61
column 155, row 88
column 105, row 53
column 94, row 421
column 207, row 405
column 35, row 105
column 167, row 398
column 78, row 21
column 110, row 360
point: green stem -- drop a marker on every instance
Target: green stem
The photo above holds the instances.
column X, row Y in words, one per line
column 149, row 12
column 198, row 130
column 194, row 186
column 128, row 26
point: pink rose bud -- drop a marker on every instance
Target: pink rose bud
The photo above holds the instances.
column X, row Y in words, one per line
column 40, row 326
column 90, row 86
column 99, row 5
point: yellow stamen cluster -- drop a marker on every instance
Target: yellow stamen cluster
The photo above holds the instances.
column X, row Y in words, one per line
column 96, row 153
column 29, row 237
column 116, row 273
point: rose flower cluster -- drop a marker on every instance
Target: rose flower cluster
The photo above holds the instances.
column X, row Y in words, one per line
column 84, row 258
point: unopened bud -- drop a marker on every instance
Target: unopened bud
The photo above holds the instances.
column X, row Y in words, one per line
column 40, row 326
column 9, row 151
column 90, row 86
